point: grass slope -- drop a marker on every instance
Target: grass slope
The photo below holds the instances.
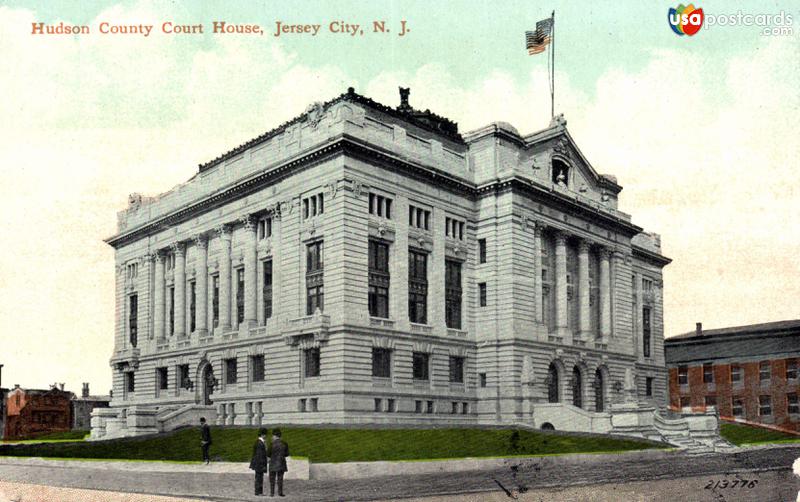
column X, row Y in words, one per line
column 739, row 434
column 338, row 445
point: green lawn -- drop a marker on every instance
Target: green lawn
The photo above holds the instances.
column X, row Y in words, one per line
column 338, row 445
column 52, row 436
column 740, row 434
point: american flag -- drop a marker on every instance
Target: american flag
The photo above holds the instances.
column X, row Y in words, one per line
column 536, row 41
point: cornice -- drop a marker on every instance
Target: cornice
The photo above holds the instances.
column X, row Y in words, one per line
column 644, row 254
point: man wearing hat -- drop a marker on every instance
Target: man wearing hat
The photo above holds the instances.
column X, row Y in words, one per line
column 277, row 451
column 259, row 461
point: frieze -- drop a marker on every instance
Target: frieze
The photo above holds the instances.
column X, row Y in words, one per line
column 314, row 114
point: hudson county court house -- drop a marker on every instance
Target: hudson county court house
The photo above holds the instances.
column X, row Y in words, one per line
column 370, row 264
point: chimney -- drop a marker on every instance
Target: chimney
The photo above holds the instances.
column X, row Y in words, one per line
column 85, row 392
column 698, row 329
column 61, row 386
column 404, row 93
column 16, row 386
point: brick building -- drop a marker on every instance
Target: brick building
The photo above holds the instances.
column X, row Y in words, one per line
column 83, row 405
column 363, row 263
column 32, row 412
column 748, row 373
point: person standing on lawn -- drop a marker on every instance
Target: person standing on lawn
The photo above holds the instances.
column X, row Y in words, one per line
column 259, row 461
column 205, row 439
column 277, row 451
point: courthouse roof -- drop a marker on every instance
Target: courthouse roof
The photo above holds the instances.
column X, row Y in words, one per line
column 736, row 342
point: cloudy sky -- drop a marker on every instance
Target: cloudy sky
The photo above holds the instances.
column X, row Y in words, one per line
column 701, row 131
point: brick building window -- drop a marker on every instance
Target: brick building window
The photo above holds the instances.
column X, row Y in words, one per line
column 266, row 289
column 162, row 378
column 708, row 373
column 736, row 373
column 215, row 300
column 133, row 320
column 764, row 406
column 192, row 306
column 648, row 387
column 792, row 404
column 380, row 205
column 311, row 362
column 711, row 401
column 421, row 365
column 313, row 206
column 764, row 371
column 454, row 228
column 239, row 295
column 381, row 362
column 737, row 406
column 231, row 370
column 183, row 376
column 452, row 294
column 683, row 375
column 257, row 367
column 791, row 369
column 264, row 227
column 685, row 403
column 456, row 369
column 481, row 250
column 417, row 286
column 419, row 218
column 378, row 299
column 646, row 334
column 482, row 294
column 315, row 289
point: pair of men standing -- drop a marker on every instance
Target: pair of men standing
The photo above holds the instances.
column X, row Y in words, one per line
column 271, row 457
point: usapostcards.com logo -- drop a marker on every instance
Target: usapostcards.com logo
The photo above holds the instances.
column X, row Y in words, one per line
column 685, row 20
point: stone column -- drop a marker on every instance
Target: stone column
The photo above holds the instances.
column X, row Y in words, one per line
column 250, row 272
column 562, row 311
column 224, row 279
column 584, row 312
column 201, row 286
column 605, row 295
column 180, row 289
column 537, row 272
column 158, row 298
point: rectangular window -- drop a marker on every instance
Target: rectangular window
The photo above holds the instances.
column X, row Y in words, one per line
column 313, row 206
column 421, row 365
column 452, row 294
column 711, row 401
column 267, row 289
column 380, row 205
column 257, row 366
column 183, row 376
column 791, row 369
column 454, row 408
column 456, row 369
column 764, row 371
column 215, row 300
column 683, row 375
column 736, row 373
column 192, row 306
column 301, row 405
column 430, row 407
column 482, row 379
column 162, row 376
column 390, row 406
column 417, row 287
column 381, row 362
column 685, row 403
column 315, row 291
column 737, row 406
column 313, row 404
column 481, row 250
column 647, row 285
column 378, row 296
column 649, row 386
column 419, row 218
column 646, row 331
column 312, row 366
column 417, row 406
column 482, row 294
column 708, row 373
column 172, row 310
column 130, row 382
column 792, row 404
column 133, row 320
column 230, row 370
column 378, row 404
column 465, row 408
column 239, row 295
column 454, row 228
column 264, row 227
column 764, row 406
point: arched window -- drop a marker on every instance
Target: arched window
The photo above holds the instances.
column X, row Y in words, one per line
column 552, row 384
column 560, row 172
column 599, row 391
column 577, row 387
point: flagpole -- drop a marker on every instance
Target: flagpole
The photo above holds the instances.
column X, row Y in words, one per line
column 553, row 66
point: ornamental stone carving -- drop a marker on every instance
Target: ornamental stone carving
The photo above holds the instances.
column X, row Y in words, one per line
column 314, row 114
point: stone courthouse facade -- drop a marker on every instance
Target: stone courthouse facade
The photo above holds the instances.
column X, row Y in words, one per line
column 369, row 264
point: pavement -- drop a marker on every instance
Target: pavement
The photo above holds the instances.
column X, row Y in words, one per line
column 682, row 477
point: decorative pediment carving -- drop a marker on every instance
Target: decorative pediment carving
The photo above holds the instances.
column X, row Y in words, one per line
column 314, row 114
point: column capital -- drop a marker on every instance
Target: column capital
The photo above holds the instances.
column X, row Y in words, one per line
column 584, row 245
column 160, row 255
column 561, row 237
column 177, row 248
column 223, row 231
column 604, row 252
column 538, row 227
column 200, row 240
column 248, row 221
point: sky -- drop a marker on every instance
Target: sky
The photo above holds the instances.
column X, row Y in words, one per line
column 701, row 131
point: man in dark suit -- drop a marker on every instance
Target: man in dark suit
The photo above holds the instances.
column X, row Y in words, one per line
column 259, row 461
column 277, row 451
column 205, row 439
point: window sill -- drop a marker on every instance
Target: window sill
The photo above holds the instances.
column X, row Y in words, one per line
column 383, row 322
column 421, row 328
column 457, row 332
